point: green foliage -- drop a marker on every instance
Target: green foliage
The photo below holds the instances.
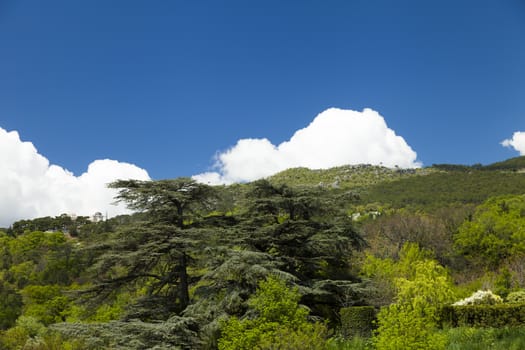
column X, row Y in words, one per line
column 169, row 275
column 46, row 304
column 357, row 321
column 26, row 328
column 29, row 334
column 441, row 189
column 174, row 333
column 41, row 257
column 309, row 237
column 503, row 282
column 512, row 164
column 157, row 252
column 35, row 268
column 111, row 310
column 345, row 177
column 167, row 201
column 274, row 302
column 466, row 338
column 422, row 286
column 187, row 258
column 498, row 315
column 456, row 167
column 10, row 305
column 496, row 231
column 280, row 323
column 355, row 343
column 63, row 223
column 401, row 327
column 384, row 272
column 517, row 297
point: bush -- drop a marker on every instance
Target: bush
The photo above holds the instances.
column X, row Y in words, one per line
column 411, row 322
column 516, row 297
column 500, row 315
column 481, row 297
column 281, row 322
column 357, row 321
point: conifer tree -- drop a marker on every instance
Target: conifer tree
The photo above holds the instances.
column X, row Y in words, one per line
column 156, row 252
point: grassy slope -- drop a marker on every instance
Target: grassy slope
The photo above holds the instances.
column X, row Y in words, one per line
column 426, row 188
column 512, row 164
column 345, row 177
column 440, row 189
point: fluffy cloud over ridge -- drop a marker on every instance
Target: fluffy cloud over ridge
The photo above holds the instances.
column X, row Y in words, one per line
column 31, row 187
column 517, row 142
column 335, row 137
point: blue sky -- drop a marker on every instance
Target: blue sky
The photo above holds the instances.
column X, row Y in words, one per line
column 166, row 85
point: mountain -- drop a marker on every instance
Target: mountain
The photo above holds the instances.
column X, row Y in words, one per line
column 512, row 164
column 345, row 177
column 421, row 189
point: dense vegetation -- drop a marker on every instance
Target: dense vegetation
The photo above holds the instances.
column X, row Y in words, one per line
column 274, row 263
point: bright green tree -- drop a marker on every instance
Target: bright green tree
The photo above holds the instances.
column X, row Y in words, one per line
column 383, row 272
column 46, row 303
column 411, row 322
column 420, row 286
column 495, row 232
column 280, row 322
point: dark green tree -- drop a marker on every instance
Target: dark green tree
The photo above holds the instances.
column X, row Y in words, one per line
column 10, row 305
column 309, row 238
column 156, row 252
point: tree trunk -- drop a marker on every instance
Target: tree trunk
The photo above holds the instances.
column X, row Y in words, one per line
column 180, row 217
column 184, row 295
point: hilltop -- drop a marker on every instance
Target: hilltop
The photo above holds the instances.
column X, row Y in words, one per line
column 422, row 188
column 346, row 177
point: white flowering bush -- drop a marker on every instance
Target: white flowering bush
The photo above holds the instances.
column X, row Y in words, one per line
column 481, row 297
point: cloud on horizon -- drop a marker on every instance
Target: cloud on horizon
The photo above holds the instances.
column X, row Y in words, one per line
column 32, row 187
column 517, row 142
column 335, row 137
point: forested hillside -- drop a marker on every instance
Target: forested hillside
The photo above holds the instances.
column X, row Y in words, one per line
column 277, row 263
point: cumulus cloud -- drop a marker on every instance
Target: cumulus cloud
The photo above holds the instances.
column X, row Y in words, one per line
column 517, row 142
column 335, row 137
column 32, row 187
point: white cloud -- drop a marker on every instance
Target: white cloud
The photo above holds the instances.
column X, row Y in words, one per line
column 517, row 142
column 335, row 137
column 31, row 187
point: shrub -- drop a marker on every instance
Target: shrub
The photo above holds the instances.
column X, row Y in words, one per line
column 481, row 297
column 26, row 328
column 281, row 323
column 516, row 297
column 411, row 322
column 357, row 321
column 500, row 315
